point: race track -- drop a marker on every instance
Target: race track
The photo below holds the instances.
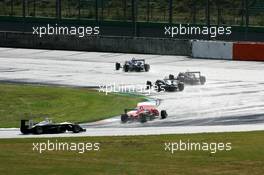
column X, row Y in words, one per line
column 231, row 100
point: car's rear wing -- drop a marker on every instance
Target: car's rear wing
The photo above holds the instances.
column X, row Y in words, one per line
column 140, row 60
column 26, row 124
column 194, row 72
column 174, row 79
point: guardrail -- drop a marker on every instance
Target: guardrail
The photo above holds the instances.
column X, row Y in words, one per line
column 161, row 46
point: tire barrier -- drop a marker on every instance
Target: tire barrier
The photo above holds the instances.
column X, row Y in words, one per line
column 241, row 51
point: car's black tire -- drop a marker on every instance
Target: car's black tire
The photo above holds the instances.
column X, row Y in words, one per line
column 38, row 130
column 159, row 87
column 147, row 67
column 76, row 128
column 61, row 129
column 202, row 80
column 124, row 118
column 126, row 68
column 163, row 114
column 117, row 66
column 143, row 118
column 159, row 84
column 64, row 129
column 138, row 69
column 180, row 86
column 58, row 129
column 171, row 77
column 149, row 85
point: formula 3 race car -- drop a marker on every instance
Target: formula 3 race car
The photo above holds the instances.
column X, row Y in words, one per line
column 169, row 84
column 47, row 127
column 143, row 113
column 191, row 78
column 137, row 65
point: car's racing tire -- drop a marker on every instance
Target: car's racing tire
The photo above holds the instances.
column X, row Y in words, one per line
column 61, row 129
column 147, row 67
column 124, row 118
column 143, row 118
column 180, row 86
column 117, row 66
column 159, row 88
column 76, row 128
column 202, row 80
column 38, row 130
column 159, row 84
column 163, row 114
column 138, row 69
column 149, row 85
column 126, row 68
column 58, row 129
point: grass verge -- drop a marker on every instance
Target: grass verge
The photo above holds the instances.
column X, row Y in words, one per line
column 59, row 103
column 137, row 155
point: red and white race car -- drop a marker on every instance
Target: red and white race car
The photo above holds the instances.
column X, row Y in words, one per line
column 143, row 113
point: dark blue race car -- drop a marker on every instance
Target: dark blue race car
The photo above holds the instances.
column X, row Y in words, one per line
column 134, row 65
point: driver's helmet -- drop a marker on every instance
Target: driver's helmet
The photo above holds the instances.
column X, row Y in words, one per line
column 48, row 120
column 133, row 60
